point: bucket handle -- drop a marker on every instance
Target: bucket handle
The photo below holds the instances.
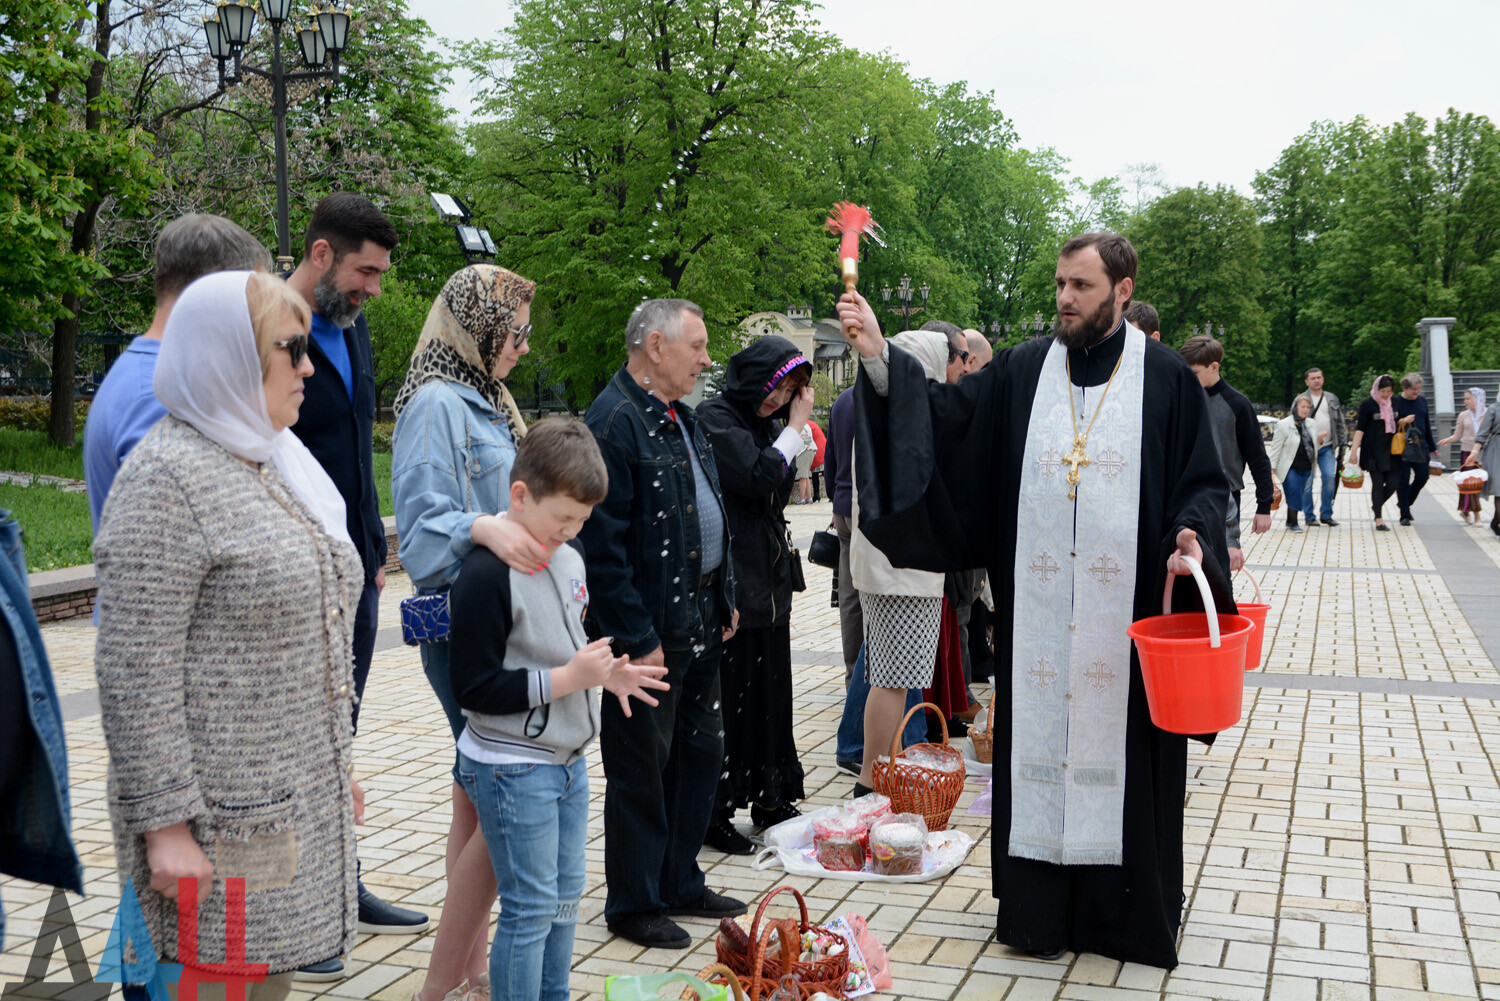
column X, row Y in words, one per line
column 1255, row 584
column 1208, row 599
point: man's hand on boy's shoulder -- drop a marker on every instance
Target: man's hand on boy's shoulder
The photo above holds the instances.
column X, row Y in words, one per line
column 627, row 680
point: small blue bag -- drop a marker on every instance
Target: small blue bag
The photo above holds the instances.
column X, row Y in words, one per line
column 424, row 619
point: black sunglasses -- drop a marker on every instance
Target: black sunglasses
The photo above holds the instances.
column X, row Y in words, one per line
column 521, row 335
column 296, row 347
column 955, row 353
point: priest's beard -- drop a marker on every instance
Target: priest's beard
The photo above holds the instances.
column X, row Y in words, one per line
column 1088, row 330
column 333, row 303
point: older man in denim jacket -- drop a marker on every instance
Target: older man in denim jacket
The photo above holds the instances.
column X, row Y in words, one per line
column 657, row 551
column 35, row 841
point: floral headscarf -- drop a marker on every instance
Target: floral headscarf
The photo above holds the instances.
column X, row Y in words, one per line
column 467, row 327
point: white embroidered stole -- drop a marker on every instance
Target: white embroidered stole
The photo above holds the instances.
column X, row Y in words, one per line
column 1074, row 594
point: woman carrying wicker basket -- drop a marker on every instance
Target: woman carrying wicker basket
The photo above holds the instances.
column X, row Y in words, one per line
column 902, row 608
column 1463, row 433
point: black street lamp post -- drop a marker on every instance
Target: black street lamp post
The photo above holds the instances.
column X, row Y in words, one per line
column 325, row 35
column 904, row 295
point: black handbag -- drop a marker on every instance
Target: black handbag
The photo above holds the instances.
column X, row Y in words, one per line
column 1416, row 448
column 823, row 551
column 799, row 580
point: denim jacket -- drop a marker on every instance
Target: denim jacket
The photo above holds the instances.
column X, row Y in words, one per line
column 450, row 463
column 641, row 543
column 35, row 839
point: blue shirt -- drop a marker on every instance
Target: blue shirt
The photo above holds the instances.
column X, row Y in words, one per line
column 124, row 409
column 710, row 516
column 331, row 341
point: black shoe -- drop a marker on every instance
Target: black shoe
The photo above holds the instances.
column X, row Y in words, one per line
column 376, row 917
column 1495, row 527
column 762, row 817
column 654, row 931
column 713, row 905
column 1406, row 519
column 1047, row 957
column 325, row 972
column 724, row 837
column 1386, row 528
column 852, row 767
column 860, row 789
column 1330, row 523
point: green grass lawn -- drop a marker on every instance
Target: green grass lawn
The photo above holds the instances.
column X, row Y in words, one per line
column 31, row 452
column 58, row 531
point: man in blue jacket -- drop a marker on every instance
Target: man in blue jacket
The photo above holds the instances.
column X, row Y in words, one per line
column 35, row 839
column 657, row 551
column 345, row 252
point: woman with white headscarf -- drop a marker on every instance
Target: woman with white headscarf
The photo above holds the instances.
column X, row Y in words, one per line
column 903, row 609
column 227, row 588
column 1464, row 430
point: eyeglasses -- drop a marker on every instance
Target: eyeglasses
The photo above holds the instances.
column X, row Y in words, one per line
column 520, row 335
column 296, row 348
column 955, row 353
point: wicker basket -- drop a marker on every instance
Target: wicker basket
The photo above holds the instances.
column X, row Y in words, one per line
column 915, row 789
column 761, row 973
column 1276, row 497
column 984, row 740
column 1354, row 480
column 1471, row 488
column 1435, row 469
column 718, row 973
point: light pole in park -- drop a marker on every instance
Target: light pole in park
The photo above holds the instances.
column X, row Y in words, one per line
column 476, row 243
column 904, row 294
column 324, row 35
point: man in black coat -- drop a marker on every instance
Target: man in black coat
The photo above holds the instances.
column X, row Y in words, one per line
column 346, row 250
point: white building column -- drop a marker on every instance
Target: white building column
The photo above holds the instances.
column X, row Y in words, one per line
column 1434, row 331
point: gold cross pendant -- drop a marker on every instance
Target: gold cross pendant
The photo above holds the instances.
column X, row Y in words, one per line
column 1075, row 459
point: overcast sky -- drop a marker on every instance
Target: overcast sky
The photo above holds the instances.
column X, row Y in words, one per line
column 1211, row 91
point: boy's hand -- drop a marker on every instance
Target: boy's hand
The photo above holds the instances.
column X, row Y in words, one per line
column 591, row 665
column 626, row 680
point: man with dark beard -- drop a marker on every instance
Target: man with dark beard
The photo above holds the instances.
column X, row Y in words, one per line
column 1079, row 469
column 347, row 248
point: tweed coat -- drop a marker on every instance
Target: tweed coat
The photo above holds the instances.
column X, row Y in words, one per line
column 224, row 665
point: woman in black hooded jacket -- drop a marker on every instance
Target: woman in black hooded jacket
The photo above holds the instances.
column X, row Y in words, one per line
column 765, row 384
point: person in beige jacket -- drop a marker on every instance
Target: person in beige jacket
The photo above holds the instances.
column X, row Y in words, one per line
column 1293, row 455
column 227, row 589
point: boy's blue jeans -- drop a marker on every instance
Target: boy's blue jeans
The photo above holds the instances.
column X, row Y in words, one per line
column 851, row 739
column 535, row 821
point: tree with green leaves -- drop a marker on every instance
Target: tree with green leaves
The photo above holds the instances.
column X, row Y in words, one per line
column 639, row 150
column 1200, row 260
column 1416, row 233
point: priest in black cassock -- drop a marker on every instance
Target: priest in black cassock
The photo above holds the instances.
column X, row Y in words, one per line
column 1076, row 469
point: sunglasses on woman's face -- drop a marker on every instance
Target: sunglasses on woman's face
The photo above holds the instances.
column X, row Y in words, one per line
column 520, row 335
column 296, row 348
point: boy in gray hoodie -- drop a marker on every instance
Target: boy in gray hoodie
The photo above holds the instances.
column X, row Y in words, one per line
column 524, row 672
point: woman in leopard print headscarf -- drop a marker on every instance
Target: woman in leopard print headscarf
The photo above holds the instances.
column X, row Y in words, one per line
column 454, row 445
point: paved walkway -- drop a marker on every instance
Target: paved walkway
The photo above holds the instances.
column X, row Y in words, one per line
column 1341, row 841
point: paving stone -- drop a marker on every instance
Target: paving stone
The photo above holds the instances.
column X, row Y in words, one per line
column 1342, row 842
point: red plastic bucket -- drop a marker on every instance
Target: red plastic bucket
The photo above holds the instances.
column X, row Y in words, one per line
column 1255, row 611
column 1193, row 663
